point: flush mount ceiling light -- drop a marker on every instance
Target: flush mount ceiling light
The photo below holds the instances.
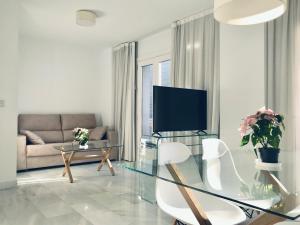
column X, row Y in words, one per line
column 85, row 18
column 247, row 12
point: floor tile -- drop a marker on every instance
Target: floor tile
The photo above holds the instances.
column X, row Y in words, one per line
column 44, row 197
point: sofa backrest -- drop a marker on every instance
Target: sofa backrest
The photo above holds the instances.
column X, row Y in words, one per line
column 55, row 128
column 71, row 121
column 47, row 126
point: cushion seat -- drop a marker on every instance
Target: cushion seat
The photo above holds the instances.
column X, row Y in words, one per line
column 43, row 150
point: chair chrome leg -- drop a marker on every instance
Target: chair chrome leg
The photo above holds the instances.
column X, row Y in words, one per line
column 249, row 212
column 177, row 222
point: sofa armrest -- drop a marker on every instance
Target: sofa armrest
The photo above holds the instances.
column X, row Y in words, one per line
column 112, row 136
column 21, row 152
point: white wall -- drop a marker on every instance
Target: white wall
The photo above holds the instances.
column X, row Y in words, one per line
column 104, row 60
column 155, row 45
column 59, row 77
column 8, row 92
column 242, row 77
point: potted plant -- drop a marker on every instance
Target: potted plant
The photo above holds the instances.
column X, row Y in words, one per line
column 263, row 129
column 82, row 136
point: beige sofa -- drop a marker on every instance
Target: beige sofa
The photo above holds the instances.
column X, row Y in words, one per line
column 54, row 129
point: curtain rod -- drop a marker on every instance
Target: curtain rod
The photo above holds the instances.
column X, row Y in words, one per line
column 117, row 46
column 194, row 16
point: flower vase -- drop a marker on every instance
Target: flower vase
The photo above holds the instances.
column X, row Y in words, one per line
column 83, row 145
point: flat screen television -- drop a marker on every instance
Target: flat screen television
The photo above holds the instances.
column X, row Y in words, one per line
column 179, row 109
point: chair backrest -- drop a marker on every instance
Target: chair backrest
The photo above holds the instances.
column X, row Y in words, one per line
column 177, row 153
column 220, row 172
column 172, row 152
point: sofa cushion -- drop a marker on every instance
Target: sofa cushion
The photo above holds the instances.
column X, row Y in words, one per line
column 32, row 137
column 42, row 150
column 68, row 135
column 97, row 133
column 71, row 121
column 38, row 122
column 50, row 136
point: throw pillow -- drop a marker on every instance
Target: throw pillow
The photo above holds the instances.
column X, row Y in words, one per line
column 32, row 137
column 98, row 133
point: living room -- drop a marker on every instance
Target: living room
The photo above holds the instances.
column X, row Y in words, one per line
column 92, row 65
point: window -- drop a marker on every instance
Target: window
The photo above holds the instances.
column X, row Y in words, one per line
column 164, row 73
column 151, row 72
column 147, row 106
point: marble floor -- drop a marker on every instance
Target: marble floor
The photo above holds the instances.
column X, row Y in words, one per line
column 44, row 197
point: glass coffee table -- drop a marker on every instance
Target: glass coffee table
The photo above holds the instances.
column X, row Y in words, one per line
column 102, row 150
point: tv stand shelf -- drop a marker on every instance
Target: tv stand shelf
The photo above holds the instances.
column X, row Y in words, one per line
column 192, row 134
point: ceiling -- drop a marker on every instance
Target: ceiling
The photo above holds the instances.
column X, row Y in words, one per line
column 118, row 21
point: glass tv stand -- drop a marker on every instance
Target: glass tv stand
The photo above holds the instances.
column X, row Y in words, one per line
column 148, row 153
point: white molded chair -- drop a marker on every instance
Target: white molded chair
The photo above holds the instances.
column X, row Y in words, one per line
column 220, row 173
column 171, row 201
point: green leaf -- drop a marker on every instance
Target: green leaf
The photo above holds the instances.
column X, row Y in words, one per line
column 279, row 118
column 283, row 126
column 245, row 140
column 279, row 132
column 274, row 142
column 255, row 128
column 254, row 140
column 255, row 151
column 275, row 131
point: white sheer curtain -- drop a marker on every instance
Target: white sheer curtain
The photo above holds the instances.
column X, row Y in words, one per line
column 282, row 78
column 195, row 61
column 124, row 75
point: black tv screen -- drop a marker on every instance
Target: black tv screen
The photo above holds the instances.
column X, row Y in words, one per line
column 179, row 109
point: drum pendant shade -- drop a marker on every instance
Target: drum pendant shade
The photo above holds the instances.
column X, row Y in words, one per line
column 247, row 12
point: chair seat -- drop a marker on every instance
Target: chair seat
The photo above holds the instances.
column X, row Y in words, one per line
column 218, row 211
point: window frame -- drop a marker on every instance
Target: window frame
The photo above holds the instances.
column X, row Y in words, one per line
column 156, row 81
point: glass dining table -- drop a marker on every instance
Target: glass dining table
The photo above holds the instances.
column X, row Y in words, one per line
column 270, row 192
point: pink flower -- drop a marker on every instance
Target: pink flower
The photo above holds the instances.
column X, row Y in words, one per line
column 247, row 123
column 243, row 130
column 263, row 110
column 251, row 120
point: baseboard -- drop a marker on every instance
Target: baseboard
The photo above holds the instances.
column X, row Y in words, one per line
column 8, row 184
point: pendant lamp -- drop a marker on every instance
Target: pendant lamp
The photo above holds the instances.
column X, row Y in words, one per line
column 248, row 12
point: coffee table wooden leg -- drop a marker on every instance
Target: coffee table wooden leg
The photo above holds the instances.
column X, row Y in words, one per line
column 112, row 171
column 64, row 172
column 102, row 161
column 67, row 162
column 106, row 160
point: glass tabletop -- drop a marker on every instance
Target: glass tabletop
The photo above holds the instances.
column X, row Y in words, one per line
column 237, row 177
column 91, row 146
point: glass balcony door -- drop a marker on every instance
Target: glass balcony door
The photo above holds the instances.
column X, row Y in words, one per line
column 154, row 71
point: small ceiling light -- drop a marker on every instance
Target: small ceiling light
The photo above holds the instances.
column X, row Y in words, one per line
column 85, row 18
column 247, row 12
